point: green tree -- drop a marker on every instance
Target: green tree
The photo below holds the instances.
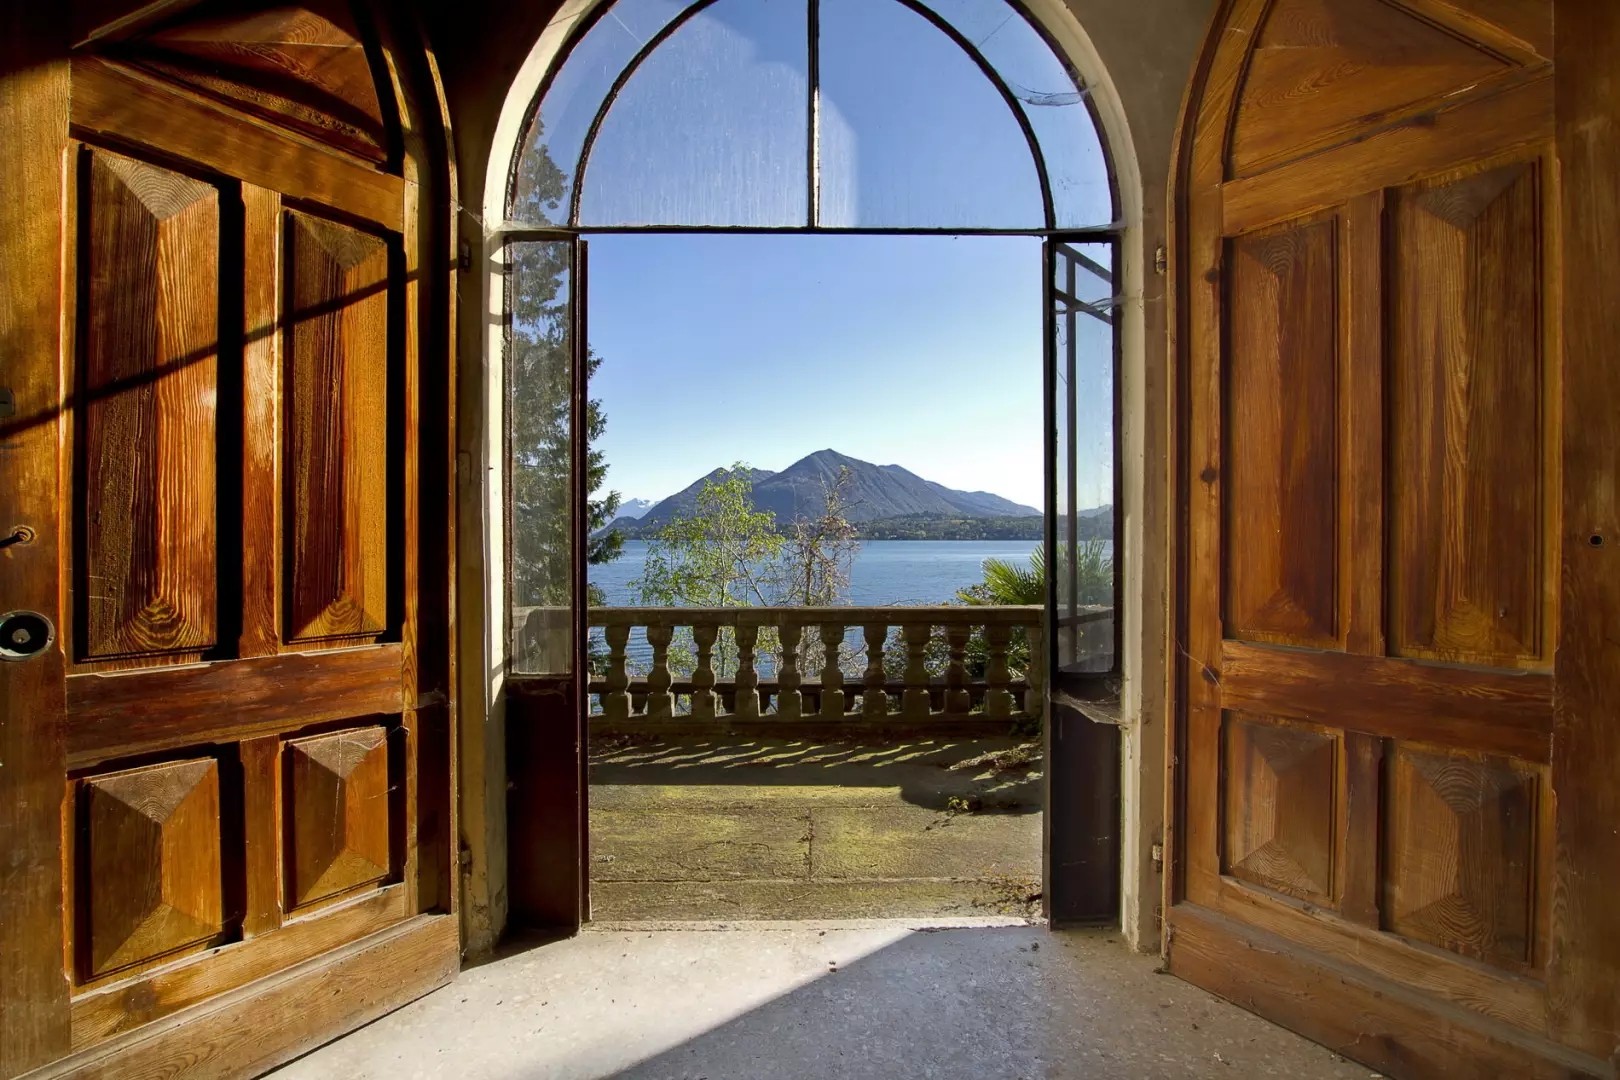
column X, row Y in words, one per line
column 819, row 551
column 720, row 555
column 539, row 344
column 725, row 553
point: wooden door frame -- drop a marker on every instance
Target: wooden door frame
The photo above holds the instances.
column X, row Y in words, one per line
column 227, row 1033
column 1329, row 1001
column 34, row 95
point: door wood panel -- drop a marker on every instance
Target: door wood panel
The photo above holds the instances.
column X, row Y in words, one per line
column 221, row 369
column 337, row 814
column 149, row 256
column 1325, row 70
column 1281, row 444
column 152, row 839
column 1467, row 437
column 1281, row 805
column 1462, row 852
column 337, row 348
column 1371, row 288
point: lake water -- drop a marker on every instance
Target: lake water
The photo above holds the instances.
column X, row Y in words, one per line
column 884, row 571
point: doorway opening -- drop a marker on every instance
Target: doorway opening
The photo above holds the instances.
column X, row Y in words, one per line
column 731, row 632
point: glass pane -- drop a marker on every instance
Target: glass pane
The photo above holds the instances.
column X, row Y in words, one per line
column 539, row 424
column 1084, row 566
column 1081, row 194
column 545, row 171
column 912, row 133
column 712, row 129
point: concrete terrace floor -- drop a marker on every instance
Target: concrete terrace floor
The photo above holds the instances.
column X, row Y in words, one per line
column 753, row 827
column 880, row 1000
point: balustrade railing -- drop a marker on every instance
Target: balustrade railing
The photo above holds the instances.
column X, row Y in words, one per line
column 831, row 663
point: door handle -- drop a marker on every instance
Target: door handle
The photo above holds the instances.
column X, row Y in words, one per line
column 24, row 635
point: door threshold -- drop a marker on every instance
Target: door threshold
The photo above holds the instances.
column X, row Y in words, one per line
column 925, row 922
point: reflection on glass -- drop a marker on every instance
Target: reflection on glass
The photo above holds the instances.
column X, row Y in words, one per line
column 1048, row 94
column 712, row 127
column 912, row 133
column 1084, row 565
column 539, row 423
column 544, row 181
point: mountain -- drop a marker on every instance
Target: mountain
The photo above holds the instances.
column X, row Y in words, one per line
column 635, row 508
column 873, row 493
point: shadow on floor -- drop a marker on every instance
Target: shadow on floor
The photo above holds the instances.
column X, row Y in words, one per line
column 1000, row 773
column 886, row 1001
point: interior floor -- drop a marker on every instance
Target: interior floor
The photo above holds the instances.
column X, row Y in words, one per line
column 886, row 1000
column 751, row 827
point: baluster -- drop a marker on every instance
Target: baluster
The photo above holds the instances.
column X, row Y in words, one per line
column 914, row 703
column 789, row 700
column 832, row 676
column 1035, row 673
column 958, row 699
column 747, row 707
column 703, row 636
column 616, row 695
column 660, row 702
column 998, row 699
column 874, row 700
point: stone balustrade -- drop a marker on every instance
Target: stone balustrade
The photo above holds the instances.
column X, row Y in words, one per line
column 830, row 663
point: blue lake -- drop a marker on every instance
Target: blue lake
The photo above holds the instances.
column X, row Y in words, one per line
column 884, row 572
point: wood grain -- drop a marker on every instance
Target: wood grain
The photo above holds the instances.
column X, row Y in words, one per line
column 1508, row 997
column 126, row 1005
column 150, row 261
column 1585, row 966
column 1325, row 70
column 142, row 712
column 1466, row 310
column 150, row 863
column 261, row 422
column 300, row 67
column 336, row 474
column 1372, row 1020
column 1498, row 711
column 1462, row 853
column 34, row 94
column 118, row 102
column 261, row 834
column 1520, row 115
column 1281, row 450
column 337, row 820
column 293, row 1010
column 1282, row 794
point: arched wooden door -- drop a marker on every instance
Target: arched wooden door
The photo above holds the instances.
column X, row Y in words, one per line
column 225, row 779
column 1398, row 738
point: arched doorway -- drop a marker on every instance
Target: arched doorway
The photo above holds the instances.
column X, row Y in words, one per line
column 792, row 127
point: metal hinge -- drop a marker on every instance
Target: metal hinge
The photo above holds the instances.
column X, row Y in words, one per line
column 464, row 257
column 1161, row 259
column 1158, row 858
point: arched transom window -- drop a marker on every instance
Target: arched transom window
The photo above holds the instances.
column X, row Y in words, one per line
column 869, row 115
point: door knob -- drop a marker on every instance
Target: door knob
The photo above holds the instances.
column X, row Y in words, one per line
column 24, row 634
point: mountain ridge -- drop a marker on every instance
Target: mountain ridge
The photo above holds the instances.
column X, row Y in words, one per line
column 874, row 493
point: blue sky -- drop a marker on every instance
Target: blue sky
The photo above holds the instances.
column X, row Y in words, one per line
column 918, row 351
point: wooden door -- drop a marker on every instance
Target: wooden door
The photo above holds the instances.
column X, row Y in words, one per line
column 227, row 774
column 1397, row 733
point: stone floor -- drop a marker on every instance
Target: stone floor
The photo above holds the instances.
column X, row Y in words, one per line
column 880, row 1000
column 752, row 828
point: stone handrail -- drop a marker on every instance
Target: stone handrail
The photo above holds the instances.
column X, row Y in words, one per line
column 829, row 691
